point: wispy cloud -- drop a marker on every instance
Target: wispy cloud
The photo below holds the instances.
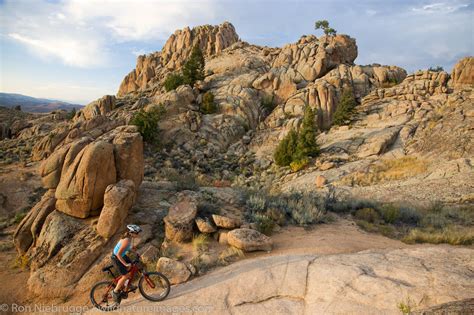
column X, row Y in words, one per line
column 80, row 32
column 440, row 7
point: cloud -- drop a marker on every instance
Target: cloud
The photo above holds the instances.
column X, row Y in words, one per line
column 81, row 33
column 70, row 51
column 440, row 7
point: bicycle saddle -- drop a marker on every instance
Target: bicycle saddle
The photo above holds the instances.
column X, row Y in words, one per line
column 107, row 268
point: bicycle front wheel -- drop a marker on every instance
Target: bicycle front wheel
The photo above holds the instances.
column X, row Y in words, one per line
column 154, row 286
column 101, row 296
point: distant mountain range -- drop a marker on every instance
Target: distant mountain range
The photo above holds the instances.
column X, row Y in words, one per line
column 34, row 105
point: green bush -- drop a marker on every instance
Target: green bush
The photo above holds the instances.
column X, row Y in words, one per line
column 324, row 25
column 147, row 123
column 298, row 146
column 256, row 203
column 173, row 81
column 286, row 149
column 193, row 69
column 299, row 164
column 264, row 223
column 268, row 104
column 306, row 144
column 304, row 208
column 70, row 115
column 345, row 108
column 208, row 106
column 390, row 213
column 367, row 214
column 436, row 69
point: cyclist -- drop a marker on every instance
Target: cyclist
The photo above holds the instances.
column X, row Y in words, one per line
column 120, row 259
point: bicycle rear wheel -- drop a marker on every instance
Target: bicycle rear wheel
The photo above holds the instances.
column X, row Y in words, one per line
column 101, row 296
column 154, row 286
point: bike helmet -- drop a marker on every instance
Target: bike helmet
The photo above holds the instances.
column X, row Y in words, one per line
column 133, row 228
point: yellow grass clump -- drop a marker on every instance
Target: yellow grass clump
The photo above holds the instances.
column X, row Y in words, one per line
column 451, row 235
column 387, row 170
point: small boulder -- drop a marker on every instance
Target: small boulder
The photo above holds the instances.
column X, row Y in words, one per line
column 320, row 181
column 150, row 254
column 118, row 199
column 225, row 222
column 222, row 237
column 249, row 240
column 179, row 221
column 175, row 271
column 205, row 226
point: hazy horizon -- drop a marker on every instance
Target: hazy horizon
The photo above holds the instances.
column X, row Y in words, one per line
column 76, row 51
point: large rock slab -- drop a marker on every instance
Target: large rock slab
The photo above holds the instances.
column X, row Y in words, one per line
column 249, row 240
column 30, row 227
column 82, row 187
column 118, row 199
column 463, row 72
column 128, row 152
column 369, row 282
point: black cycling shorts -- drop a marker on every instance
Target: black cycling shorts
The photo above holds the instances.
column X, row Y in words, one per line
column 118, row 264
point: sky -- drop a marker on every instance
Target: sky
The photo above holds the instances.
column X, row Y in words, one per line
column 80, row 50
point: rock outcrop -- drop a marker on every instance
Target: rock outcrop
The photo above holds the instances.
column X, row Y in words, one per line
column 152, row 68
column 369, row 282
column 118, row 199
column 179, row 222
column 463, row 72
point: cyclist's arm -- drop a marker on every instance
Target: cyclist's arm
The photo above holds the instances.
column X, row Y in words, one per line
column 120, row 251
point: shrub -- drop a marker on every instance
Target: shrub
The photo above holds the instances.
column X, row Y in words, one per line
column 390, row 213
column 436, row 220
column 256, row 203
column 367, row 214
column 409, row 215
column 19, row 216
column 208, row 106
column 299, row 164
column 173, row 81
column 345, row 108
column 277, row 216
column 70, row 115
column 297, row 147
column 324, row 25
column 200, row 243
column 436, row 69
column 147, row 123
column 268, row 103
column 286, row 149
column 264, row 223
column 193, row 69
column 304, row 208
column 306, row 144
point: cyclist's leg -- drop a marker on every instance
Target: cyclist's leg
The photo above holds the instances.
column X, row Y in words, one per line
column 123, row 271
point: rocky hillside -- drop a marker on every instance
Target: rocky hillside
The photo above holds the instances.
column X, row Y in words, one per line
column 409, row 140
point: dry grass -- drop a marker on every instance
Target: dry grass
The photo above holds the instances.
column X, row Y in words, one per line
column 230, row 253
column 387, row 170
column 450, row 235
column 200, row 243
column 22, row 262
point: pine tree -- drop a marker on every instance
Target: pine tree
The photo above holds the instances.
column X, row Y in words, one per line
column 193, row 69
column 345, row 108
column 307, row 145
column 286, row 149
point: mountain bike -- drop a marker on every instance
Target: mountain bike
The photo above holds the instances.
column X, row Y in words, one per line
column 153, row 286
